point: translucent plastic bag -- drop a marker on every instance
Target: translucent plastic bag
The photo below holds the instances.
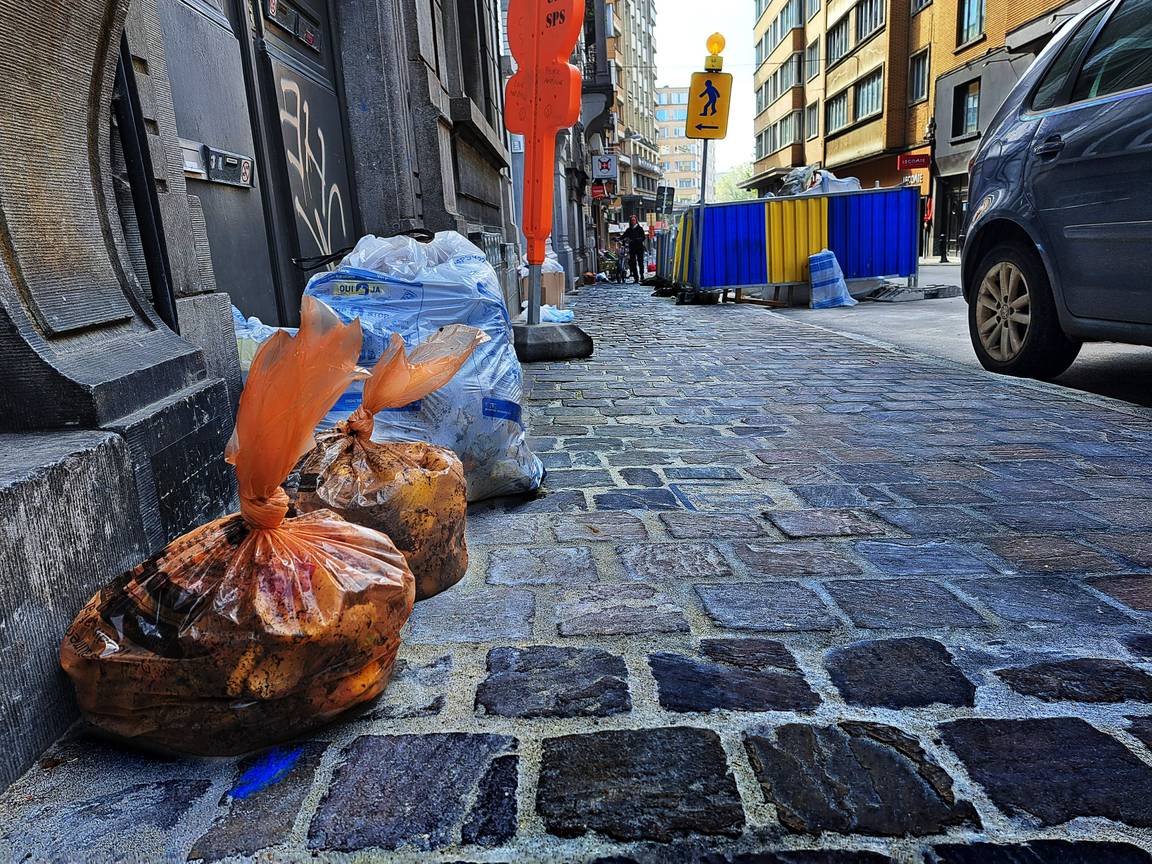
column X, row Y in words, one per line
column 253, row 628
column 827, row 279
column 413, row 492
column 414, row 290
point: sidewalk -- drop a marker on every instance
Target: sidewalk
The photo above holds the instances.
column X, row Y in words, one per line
column 786, row 591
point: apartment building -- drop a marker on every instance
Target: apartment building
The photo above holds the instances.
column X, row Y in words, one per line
column 681, row 158
column 635, row 57
column 852, row 84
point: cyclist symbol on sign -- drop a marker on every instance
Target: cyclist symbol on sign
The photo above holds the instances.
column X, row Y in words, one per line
column 711, row 94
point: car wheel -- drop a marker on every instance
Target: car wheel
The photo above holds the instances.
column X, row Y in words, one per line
column 1012, row 316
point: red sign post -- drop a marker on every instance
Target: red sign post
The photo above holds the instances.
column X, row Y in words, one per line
column 542, row 97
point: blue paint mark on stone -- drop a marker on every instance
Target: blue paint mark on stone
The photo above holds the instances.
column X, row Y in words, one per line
column 268, row 769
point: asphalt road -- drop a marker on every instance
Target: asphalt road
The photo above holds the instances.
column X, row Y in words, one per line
column 940, row 328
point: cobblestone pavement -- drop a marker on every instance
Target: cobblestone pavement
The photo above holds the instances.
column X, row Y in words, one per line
column 787, row 593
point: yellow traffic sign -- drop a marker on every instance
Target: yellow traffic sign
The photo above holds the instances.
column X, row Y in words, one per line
column 708, row 104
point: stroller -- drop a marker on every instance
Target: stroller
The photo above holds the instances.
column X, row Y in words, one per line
column 615, row 264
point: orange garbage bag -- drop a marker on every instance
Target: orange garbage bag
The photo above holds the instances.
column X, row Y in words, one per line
column 255, row 627
column 412, row 491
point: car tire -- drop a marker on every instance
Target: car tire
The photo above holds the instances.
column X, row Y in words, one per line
column 1012, row 316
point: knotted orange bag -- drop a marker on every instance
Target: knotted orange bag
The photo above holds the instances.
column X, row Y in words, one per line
column 253, row 628
column 412, row 491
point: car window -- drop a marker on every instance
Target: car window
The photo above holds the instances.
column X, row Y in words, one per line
column 1121, row 58
column 1052, row 84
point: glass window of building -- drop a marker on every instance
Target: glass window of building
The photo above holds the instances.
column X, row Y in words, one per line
column 869, row 18
column 970, row 21
column 812, row 59
column 813, row 6
column 836, row 112
column 966, row 109
column 918, row 76
column 812, row 120
column 869, row 99
column 836, row 41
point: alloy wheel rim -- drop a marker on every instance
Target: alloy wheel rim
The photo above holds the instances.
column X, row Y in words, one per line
column 1003, row 311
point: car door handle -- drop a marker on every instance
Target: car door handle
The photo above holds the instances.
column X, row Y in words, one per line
column 1049, row 147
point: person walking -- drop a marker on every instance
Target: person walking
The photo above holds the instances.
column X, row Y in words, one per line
column 634, row 236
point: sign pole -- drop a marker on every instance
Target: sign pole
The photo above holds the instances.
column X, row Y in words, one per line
column 698, row 230
column 534, row 277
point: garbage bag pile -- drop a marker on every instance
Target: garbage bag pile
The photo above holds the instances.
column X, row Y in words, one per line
column 256, row 627
column 399, row 285
column 412, row 491
column 811, row 180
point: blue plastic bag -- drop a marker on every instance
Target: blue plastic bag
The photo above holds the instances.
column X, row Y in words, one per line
column 827, row 279
column 414, row 289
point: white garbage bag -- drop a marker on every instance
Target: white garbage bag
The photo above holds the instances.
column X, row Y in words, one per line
column 414, row 289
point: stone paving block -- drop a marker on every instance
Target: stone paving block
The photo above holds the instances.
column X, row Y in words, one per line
column 416, row 690
column 773, row 684
column 1039, row 852
column 876, row 472
column 555, row 460
column 936, row 521
column 641, row 477
column 790, row 473
column 639, row 458
column 730, row 498
column 898, row 673
column 1139, row 644
column 839, row 495
column 1017, row 491
column 637, row 499
column 710, row 526
column 854, row 778
column 944, row 471
column 1041, row 599
column 775, row 607
column 418, row 791
column 794, row 559
column 489, row 615
column 703, row 472
column 897, row 604
column 1034, row 469
column 494, row 527
column 578, row 479
column 1089, row 679
column 655, row 562
column 546, row 681
column 824, row 523
column 939, row 493
column 1054, row 768
column 621, row 610
column 646, row 784
column 541, row 565
column 599, row 526
column 1040, row 516
column 262, row 804
column 1135, row 592
column 1135, row 548
column 1050, row 555
column 1132, row 515
column 921, row 557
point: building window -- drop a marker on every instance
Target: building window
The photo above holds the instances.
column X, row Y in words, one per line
column 812, row 59
column 688, row 182
column 813, row 6
column 869, row 18
column 918, row 5
column 970, row 20
column 812, row 120
column 836, row 113
column 869, row 99
column 836, row 42
column 918, row 76
column 966, row 109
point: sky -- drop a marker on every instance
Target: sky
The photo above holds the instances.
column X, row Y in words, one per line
column 682, row 28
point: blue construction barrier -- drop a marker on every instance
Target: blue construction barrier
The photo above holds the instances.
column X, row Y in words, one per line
column 766, row 242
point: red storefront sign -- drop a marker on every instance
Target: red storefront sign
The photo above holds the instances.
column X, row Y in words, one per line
column 913, row 160
column 599, row 190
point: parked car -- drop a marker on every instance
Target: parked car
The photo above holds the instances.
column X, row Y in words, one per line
column 1058, row 236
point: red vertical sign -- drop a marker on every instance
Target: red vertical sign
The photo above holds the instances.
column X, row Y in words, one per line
column 542, row 97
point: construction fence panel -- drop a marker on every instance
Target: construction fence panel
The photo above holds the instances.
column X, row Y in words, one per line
column 795, row 228
column 874, row 233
